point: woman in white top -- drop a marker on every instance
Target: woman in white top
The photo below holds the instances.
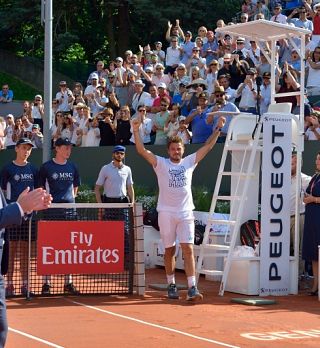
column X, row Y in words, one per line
column 145, row 126
column 212, row 73
column 312, row 128
column 67, row 127
column 2, row 128
column 56, row 127
column 91, row 134
column 183, row 131
column 313, row 66
column 172, row 124
column 79, row 134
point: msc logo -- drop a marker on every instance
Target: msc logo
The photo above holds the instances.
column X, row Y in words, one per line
column 62, row 176
column 23, row 177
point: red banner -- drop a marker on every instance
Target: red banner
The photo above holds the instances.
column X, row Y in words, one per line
column 79, row 247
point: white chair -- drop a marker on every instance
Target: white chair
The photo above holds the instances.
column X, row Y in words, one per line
column 284, row 108
column 243, row 127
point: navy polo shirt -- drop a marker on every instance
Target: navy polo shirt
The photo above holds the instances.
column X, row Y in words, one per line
column 15, row 179
column 59, row 180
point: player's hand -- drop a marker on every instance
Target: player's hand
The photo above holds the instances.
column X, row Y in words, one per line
column 135, row 124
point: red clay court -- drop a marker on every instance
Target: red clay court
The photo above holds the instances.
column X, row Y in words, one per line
column 153, row 320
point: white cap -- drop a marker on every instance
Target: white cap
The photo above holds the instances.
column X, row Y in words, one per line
column 119, row 58
column 139, row 82
column 94, row 76
column 162, row 85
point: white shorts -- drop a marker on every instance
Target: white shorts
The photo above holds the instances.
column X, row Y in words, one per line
column 176, row 226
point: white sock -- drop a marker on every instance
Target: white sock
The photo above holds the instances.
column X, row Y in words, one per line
column 191, row 281
column 171, row 279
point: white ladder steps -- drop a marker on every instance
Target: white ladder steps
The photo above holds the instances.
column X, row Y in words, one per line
column 241, row 180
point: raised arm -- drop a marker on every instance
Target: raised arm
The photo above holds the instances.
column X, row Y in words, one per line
column 146, row 154
column 204, row 150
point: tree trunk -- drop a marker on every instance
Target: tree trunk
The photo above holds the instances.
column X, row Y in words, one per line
column 123, row 32
column 110, row 31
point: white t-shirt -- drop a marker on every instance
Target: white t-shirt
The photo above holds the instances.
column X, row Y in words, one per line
column 309, row 134
column 65, row 105
column 92, row 137
column 174, row 182
column 305, row 179
column 8, row 139
column 313, row 76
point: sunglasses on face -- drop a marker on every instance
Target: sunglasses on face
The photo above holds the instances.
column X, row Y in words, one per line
column 219, row 95
column 142, row 110
column 226, row 62
column 119, row 153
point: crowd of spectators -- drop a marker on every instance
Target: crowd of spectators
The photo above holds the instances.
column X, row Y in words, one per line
column 176, row 87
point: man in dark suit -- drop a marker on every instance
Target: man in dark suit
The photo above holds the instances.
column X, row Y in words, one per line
column 13, row 214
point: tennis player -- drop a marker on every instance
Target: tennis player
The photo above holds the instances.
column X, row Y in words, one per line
column 175, row 203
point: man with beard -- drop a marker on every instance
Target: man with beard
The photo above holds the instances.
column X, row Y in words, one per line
column 116, row 180
column 175, row 203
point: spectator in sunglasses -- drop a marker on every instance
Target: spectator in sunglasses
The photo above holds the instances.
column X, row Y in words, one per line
column 6, row 94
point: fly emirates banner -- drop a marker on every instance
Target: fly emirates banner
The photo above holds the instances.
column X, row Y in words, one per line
column 77, row 247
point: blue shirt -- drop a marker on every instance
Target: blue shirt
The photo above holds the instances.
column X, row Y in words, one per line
column 201, row 131
column 227, row 107
column 287, row 5
column 307, row 24
column 177, row 99
column 9, row 95
column 59, row 180
column 15, row 179
column 213, row 46
column 187, row 51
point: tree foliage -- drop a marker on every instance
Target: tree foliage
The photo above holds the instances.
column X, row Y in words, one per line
column 88, row 30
